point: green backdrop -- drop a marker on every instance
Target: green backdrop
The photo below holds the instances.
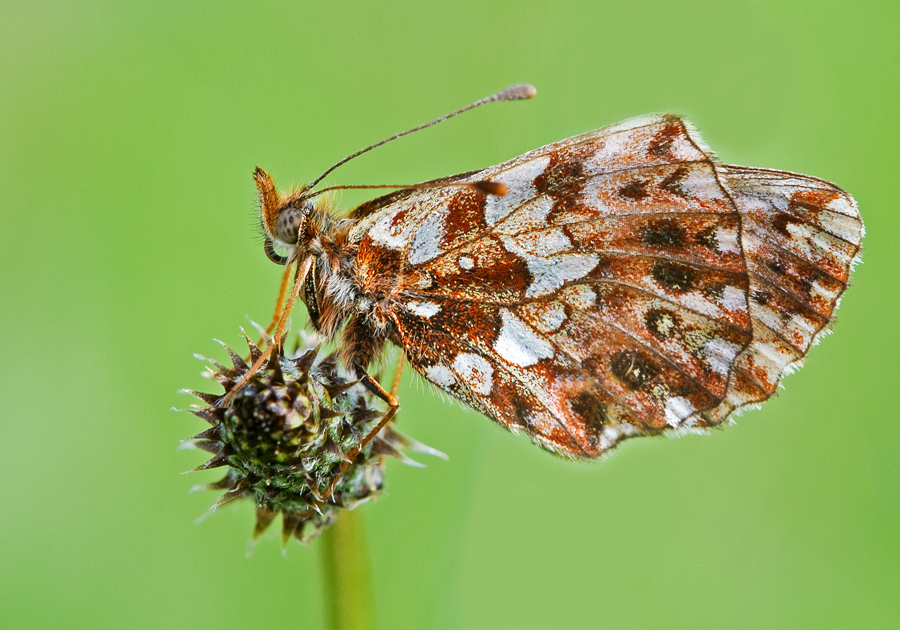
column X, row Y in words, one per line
column 128, row 135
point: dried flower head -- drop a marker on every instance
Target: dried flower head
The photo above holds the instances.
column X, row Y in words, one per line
column 288, row 437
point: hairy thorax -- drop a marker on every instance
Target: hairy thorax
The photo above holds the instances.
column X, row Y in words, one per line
column 342, row 300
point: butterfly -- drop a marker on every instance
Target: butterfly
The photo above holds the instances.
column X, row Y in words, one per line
column 615, row 284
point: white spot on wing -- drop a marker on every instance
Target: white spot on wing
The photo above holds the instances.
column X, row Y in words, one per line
column 825, row 292
column 677, row 409
column 701, row 185
column 520, row 182
column 803, row 325
column 544, row 243
column 424, row 309
column 772, row 354
column 386, row 234
column 612, row 434
column 844, row 227
column 720, row 354
column 426, row 243
column 439, row 375
column 728, row 241
column 800, row 231
column 475, row 371
column 734, row 299
column 551, row 272
column 531, row 215
column 844, row 205
column 518, row 343
column 613, row 145
column 549, row 319
column 580, row 296
column 466, row 263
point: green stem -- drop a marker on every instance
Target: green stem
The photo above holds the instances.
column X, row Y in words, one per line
column 347, row 575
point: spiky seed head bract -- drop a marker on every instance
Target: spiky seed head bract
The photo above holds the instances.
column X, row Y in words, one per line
column 285, row 436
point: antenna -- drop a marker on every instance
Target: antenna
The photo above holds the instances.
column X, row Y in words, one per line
column 486, row 186
column 517, row 92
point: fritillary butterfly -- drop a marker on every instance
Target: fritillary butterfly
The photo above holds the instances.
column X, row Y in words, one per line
column 614, row 284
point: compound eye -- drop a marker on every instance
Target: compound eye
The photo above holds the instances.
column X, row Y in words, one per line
column 289, row 223
column 274, row 256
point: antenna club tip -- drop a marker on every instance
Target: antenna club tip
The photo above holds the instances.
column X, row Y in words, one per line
column 520, row 91
column 529, row 90
column 490, row 188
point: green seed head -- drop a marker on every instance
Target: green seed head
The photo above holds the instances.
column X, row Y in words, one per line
column 285, row 436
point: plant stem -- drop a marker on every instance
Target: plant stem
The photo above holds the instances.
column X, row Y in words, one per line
column 347, row 575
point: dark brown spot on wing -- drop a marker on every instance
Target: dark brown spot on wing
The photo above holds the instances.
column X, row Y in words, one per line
column 564, row 175
column 663, row 142
column 715, row 291
column 634, row 190
column 806, row 283
column 661, row 322
column 776, row 267
column 592, row 409
column 666, row 232
column 632, row 368
column 563, row 179
column 782, row 221
column 674, row 275
column 672, row 183
column 707, row 238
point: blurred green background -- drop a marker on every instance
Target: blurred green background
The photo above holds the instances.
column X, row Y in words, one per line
column 128, row 135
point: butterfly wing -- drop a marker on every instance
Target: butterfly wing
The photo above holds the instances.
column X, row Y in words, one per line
column 604, row 296
column 800, row 236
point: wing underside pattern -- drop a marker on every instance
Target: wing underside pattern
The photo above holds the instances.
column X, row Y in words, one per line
column 626, row 285
column 801, row 237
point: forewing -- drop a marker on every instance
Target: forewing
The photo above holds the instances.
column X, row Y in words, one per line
column 604, row 296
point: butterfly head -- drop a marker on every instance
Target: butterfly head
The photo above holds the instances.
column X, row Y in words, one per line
column 285, row 220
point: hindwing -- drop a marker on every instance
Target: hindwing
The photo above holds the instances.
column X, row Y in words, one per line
column 801, row 236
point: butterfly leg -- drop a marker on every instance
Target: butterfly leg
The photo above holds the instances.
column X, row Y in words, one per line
column 285, row 277
column 398, row 372
column 375, row 387
column 303, row 267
